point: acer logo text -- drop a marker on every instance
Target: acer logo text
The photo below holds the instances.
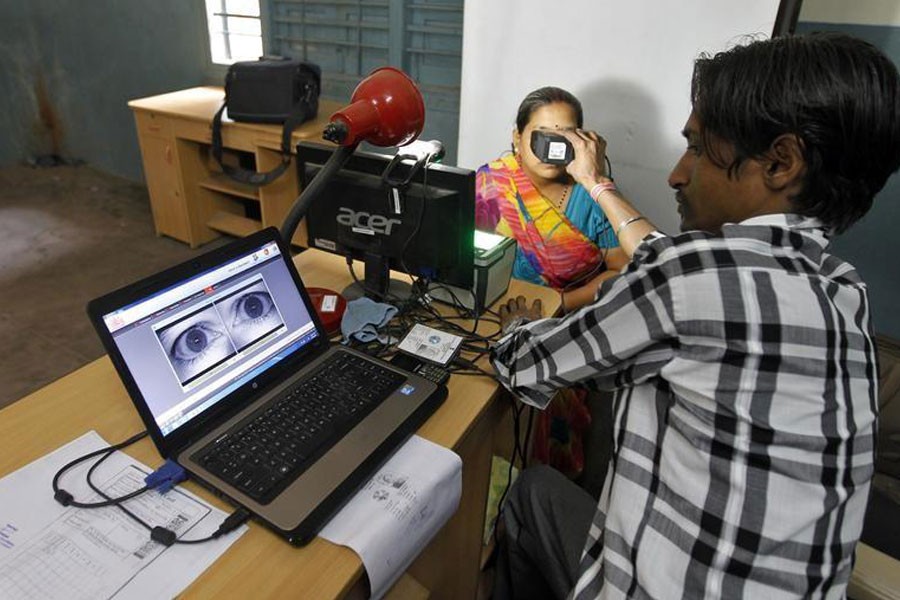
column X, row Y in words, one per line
column 364, row 220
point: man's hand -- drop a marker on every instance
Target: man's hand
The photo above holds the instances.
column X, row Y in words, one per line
column 516, row 312
column 589, row 166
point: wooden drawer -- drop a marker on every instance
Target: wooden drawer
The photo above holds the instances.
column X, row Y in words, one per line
column 243, row 136
column 195, row 131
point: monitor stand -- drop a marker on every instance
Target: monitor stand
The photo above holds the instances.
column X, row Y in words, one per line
column 378, row 283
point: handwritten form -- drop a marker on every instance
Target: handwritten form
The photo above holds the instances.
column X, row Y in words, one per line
column 394, row 516
column 51, row 551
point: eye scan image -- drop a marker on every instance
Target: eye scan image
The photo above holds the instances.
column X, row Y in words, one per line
column 196, row 344
column 250, row 314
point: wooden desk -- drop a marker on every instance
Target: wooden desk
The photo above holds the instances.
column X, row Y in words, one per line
column 191, row 199
column 259, row 564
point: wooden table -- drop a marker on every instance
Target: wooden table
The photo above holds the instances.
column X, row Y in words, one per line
column 259, row 564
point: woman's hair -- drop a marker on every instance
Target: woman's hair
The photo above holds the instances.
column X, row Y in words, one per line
column 839, row 95
column 543, row 97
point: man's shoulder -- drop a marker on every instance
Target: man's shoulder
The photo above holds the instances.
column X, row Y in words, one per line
column 698, row 251
column 659, row 248
column 757, row 246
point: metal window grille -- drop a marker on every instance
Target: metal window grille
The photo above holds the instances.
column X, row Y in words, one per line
column 350, row 38
column 235, row 30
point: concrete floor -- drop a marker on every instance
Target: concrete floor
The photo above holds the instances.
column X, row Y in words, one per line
column 67, row 235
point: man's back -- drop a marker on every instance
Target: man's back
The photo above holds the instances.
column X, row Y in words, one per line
column 744, row 447
column 743, row 358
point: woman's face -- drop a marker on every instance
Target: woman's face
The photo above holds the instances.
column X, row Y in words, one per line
column 557, row 115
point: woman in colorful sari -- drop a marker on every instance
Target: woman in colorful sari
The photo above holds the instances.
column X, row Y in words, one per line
column 564, row 239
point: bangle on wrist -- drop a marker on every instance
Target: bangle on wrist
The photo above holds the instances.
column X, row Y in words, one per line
column 626, row 222
column 598, row 189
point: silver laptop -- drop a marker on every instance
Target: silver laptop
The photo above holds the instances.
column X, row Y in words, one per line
column 235, row 379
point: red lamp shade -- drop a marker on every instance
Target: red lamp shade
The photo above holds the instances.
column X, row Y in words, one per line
column 386, row 110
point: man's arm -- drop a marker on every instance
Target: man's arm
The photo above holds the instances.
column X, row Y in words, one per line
column 626, row 335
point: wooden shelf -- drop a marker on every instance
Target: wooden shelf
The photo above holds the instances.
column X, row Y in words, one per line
column 220, row 182
column 233, row 224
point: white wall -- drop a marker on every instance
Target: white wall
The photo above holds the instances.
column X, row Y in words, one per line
column 629, row 62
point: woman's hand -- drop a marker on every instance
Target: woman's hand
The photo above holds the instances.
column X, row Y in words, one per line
column 589, row 166
column 588, row 169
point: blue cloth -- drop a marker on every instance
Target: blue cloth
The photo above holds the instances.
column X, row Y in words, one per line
column 584, row 214
column 362, row 319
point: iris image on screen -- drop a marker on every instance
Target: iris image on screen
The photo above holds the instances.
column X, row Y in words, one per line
column 196, row 343
column 249, row 314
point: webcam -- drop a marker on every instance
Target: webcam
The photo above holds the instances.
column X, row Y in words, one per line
column 551, row 148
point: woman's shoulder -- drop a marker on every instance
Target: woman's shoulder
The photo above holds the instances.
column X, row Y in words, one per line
column 489, row 185
column 493, row 166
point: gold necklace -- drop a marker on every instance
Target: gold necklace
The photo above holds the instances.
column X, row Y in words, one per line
column 562, row 198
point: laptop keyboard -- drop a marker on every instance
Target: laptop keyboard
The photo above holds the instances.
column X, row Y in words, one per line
column 264, row 454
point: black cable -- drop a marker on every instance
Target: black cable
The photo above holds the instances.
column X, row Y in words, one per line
column 517, row 450
column 66, row 499
column 164, row 535
column 387, row 296
column 415, row 231
column 456, row 303
column 469, row 365
column 103, row 494
column 159, row 534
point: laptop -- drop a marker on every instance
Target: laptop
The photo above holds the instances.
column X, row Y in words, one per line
column 235, row 379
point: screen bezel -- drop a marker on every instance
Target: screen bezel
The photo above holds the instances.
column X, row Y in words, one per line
column 170, row 444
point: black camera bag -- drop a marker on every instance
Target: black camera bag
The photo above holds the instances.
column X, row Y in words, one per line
column 268, row 90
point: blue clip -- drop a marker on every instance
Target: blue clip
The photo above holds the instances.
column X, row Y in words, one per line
column 166, row 477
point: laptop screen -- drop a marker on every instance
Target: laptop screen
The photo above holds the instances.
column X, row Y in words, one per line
column 188, row 346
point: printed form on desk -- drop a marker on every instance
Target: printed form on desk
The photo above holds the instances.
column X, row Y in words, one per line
column 394, row 516
column 51, row 551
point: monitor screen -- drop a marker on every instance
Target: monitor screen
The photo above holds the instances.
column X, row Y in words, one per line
column 425, row 228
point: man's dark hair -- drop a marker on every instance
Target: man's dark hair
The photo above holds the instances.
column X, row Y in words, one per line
column 542, row 97
column 839, row 95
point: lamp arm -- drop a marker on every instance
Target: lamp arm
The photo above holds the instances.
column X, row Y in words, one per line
column 313, row 189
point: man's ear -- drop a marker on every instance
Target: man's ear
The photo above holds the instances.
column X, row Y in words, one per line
column 784, row 164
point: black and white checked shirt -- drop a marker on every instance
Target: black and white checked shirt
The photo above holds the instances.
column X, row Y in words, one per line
column 745, row 406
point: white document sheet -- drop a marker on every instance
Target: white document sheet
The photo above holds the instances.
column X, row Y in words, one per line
column 394, row 516
column 51, row 551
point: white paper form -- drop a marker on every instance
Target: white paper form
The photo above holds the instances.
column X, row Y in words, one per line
column 51, row 551
column 394, row 516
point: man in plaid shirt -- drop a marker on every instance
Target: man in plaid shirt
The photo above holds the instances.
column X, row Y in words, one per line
column 741, row 352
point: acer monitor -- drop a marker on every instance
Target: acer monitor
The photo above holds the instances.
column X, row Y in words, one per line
column 385, row 213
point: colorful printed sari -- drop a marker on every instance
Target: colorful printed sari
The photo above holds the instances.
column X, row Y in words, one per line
column 555, row 250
